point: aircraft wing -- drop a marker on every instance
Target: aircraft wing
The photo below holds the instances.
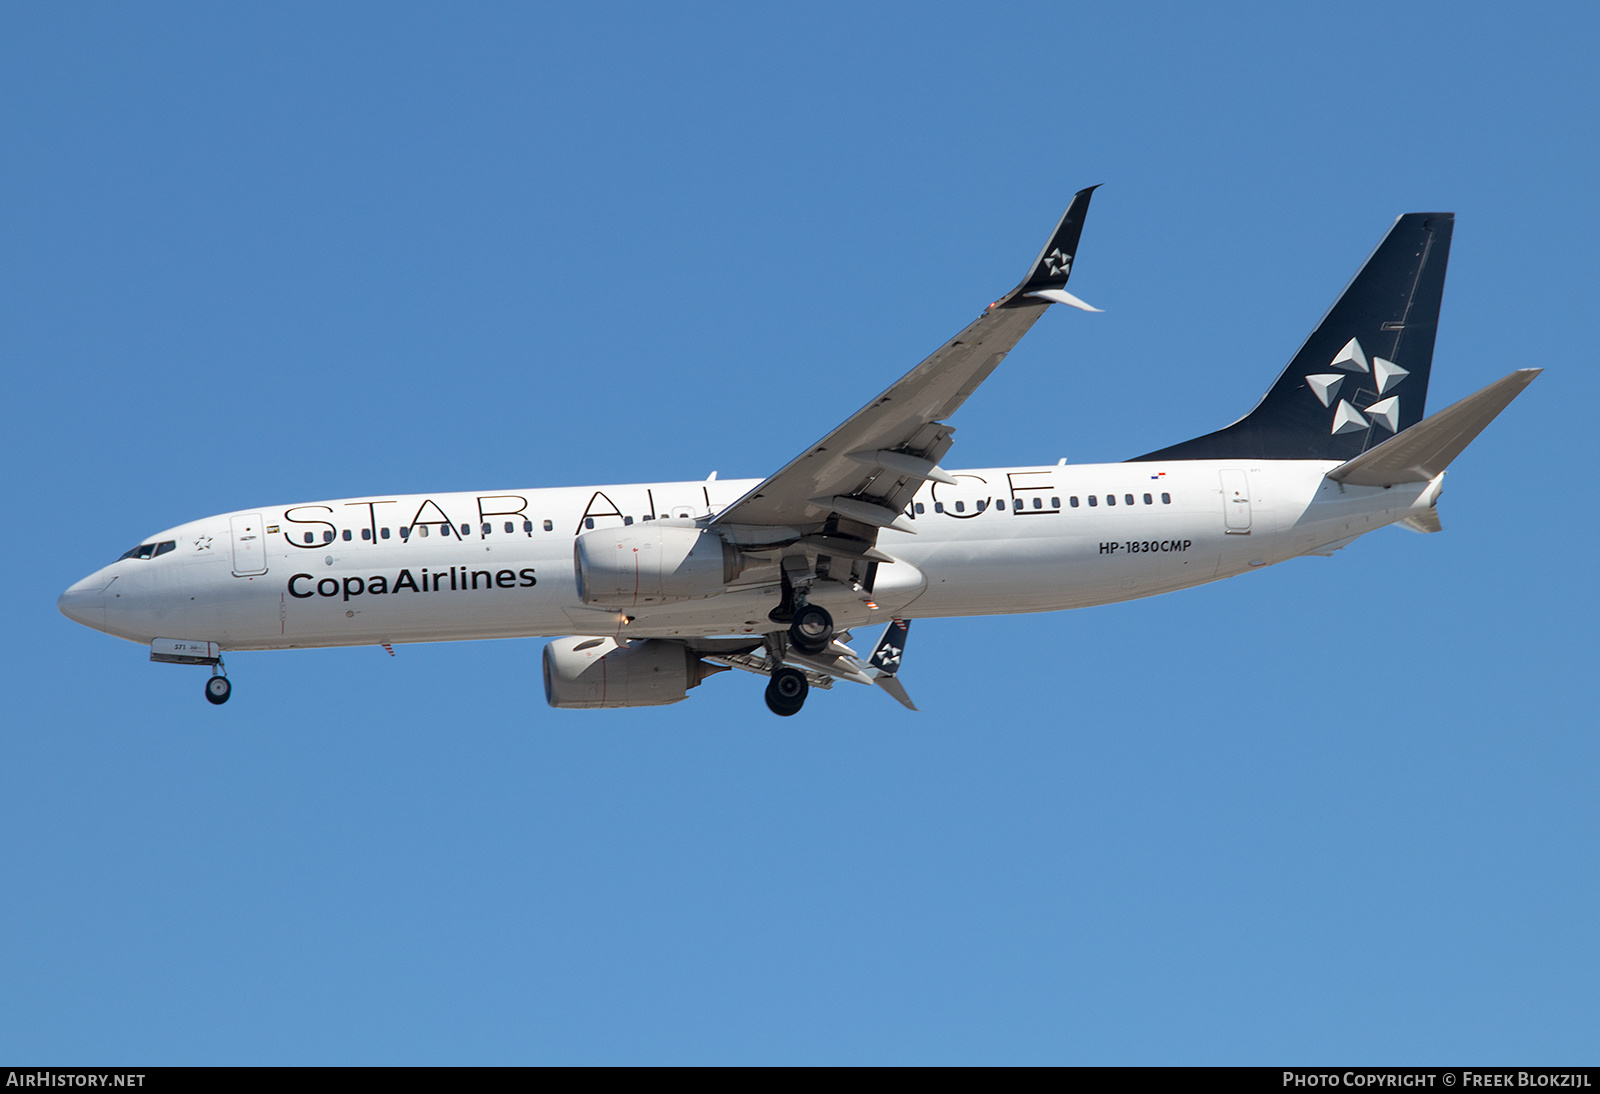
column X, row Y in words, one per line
column 868, row 469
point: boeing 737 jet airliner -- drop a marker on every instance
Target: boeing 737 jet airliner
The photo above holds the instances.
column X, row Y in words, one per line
column 662, row 584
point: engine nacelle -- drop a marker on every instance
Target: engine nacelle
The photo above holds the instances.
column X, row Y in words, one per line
column 652, row 563
column 591, row 673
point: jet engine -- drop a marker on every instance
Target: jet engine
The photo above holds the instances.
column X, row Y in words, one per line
column 591, row 673
column 651, row 563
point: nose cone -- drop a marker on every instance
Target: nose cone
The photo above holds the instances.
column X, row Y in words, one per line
column 85, row 602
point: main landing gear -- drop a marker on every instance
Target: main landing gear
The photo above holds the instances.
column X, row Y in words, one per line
column 810, row 632
column 810, row 625
column 217, row 688
column 812, row 629
column 786, row 692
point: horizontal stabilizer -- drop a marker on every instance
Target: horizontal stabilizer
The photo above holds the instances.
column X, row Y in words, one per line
column 1418, row 454
column 897, row 689
column 1425, row 521
column 886, row 660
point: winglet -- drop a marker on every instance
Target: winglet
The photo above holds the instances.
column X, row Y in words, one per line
column 886, row 660
column 1054, row 264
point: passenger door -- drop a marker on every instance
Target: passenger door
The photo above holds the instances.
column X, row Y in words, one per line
column 1236, row 502
column 249, row 546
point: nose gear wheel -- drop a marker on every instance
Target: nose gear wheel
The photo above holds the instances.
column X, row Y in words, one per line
column 218, row 689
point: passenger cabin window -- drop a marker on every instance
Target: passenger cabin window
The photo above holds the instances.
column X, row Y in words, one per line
column 465, row 530
column 348, row 535
column 383, row 534
column 487, row 527
column 1128, row 498
column 588, row 522
column 1148, row 500
column 627, row 520
column 919, row 507
column 1093, row 501
column 549, row 527
column 1073, row 501
column 310, row 538
column 422, row 530
column 938, row 507
column 961, row 507
column 511, row 527
column 1038, row 503
column 327, row 537
column 366, row 533
column 1055, row 503
column 527, row 526
column 1111, row 499
column 1166, row 499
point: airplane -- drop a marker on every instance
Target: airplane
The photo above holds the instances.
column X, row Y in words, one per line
column 649, row 588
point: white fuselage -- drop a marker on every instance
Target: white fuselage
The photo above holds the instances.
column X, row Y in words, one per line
column 440, row 567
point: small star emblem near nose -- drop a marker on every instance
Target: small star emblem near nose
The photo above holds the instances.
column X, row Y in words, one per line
column 202, row 543
column 1058, row 263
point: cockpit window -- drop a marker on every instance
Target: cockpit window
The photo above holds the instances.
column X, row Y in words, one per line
column 150, row 550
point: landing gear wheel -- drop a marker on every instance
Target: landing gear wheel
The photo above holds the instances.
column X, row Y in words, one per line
column 218, row 689
column 786, row 694
column 811, row 630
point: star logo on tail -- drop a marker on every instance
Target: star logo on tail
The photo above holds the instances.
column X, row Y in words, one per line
column 1353, row 364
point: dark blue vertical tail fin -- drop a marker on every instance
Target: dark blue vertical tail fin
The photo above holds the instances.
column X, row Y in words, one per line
column 1362, row 376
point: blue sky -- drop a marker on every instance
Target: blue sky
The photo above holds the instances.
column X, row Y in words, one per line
column 1341, row 810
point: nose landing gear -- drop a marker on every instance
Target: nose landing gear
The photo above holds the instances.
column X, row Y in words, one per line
column 217, row 688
